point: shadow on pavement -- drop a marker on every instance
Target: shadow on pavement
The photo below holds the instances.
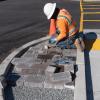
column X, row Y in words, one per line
column 11, row 82
column 2, row 0
column 8, row 94
column 89, row 40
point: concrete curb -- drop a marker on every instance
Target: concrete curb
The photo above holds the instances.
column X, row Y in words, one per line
column 5, row 65
column 80, row 82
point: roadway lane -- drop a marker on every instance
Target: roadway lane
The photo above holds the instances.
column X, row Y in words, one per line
column 22, row 21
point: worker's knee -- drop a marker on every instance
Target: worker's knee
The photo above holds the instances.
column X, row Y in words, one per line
column 79, row 43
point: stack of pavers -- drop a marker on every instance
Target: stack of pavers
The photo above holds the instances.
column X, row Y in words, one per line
column 51, row 68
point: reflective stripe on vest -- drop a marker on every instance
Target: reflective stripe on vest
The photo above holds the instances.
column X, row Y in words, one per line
column 69, row 23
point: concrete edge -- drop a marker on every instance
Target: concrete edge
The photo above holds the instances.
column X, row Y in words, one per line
column 5, row 65
column 80, row 82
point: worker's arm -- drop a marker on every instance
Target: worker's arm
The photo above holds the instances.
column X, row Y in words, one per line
column 52, row 29
column 63, row 28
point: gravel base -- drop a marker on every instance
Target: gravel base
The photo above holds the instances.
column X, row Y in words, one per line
column 25, row 93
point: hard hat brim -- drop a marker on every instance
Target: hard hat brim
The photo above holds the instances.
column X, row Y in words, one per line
column 54, row 6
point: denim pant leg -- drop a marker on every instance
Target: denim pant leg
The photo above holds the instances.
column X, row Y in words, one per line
column 67, row 43
column 62, row 44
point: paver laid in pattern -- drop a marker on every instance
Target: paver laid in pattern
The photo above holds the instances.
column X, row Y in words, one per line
column 42, row 73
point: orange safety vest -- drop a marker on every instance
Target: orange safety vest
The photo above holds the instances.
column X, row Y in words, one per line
column 67, row 19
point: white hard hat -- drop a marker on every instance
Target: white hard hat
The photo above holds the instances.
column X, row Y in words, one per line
column 49, row 9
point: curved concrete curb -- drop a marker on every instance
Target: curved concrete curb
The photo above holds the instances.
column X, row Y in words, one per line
column 5, row 65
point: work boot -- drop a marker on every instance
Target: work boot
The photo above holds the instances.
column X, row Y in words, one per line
column 70, row 85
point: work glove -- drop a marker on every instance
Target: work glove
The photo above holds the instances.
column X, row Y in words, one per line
column 52, row 40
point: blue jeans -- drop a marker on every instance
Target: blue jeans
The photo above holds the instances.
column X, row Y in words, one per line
column 68, row 42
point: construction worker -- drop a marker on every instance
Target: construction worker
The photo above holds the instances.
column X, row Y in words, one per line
column 63, row 29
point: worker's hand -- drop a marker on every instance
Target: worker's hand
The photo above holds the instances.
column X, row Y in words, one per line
column 52, row 40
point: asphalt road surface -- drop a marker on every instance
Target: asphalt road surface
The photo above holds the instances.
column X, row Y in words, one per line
column 22, row 21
